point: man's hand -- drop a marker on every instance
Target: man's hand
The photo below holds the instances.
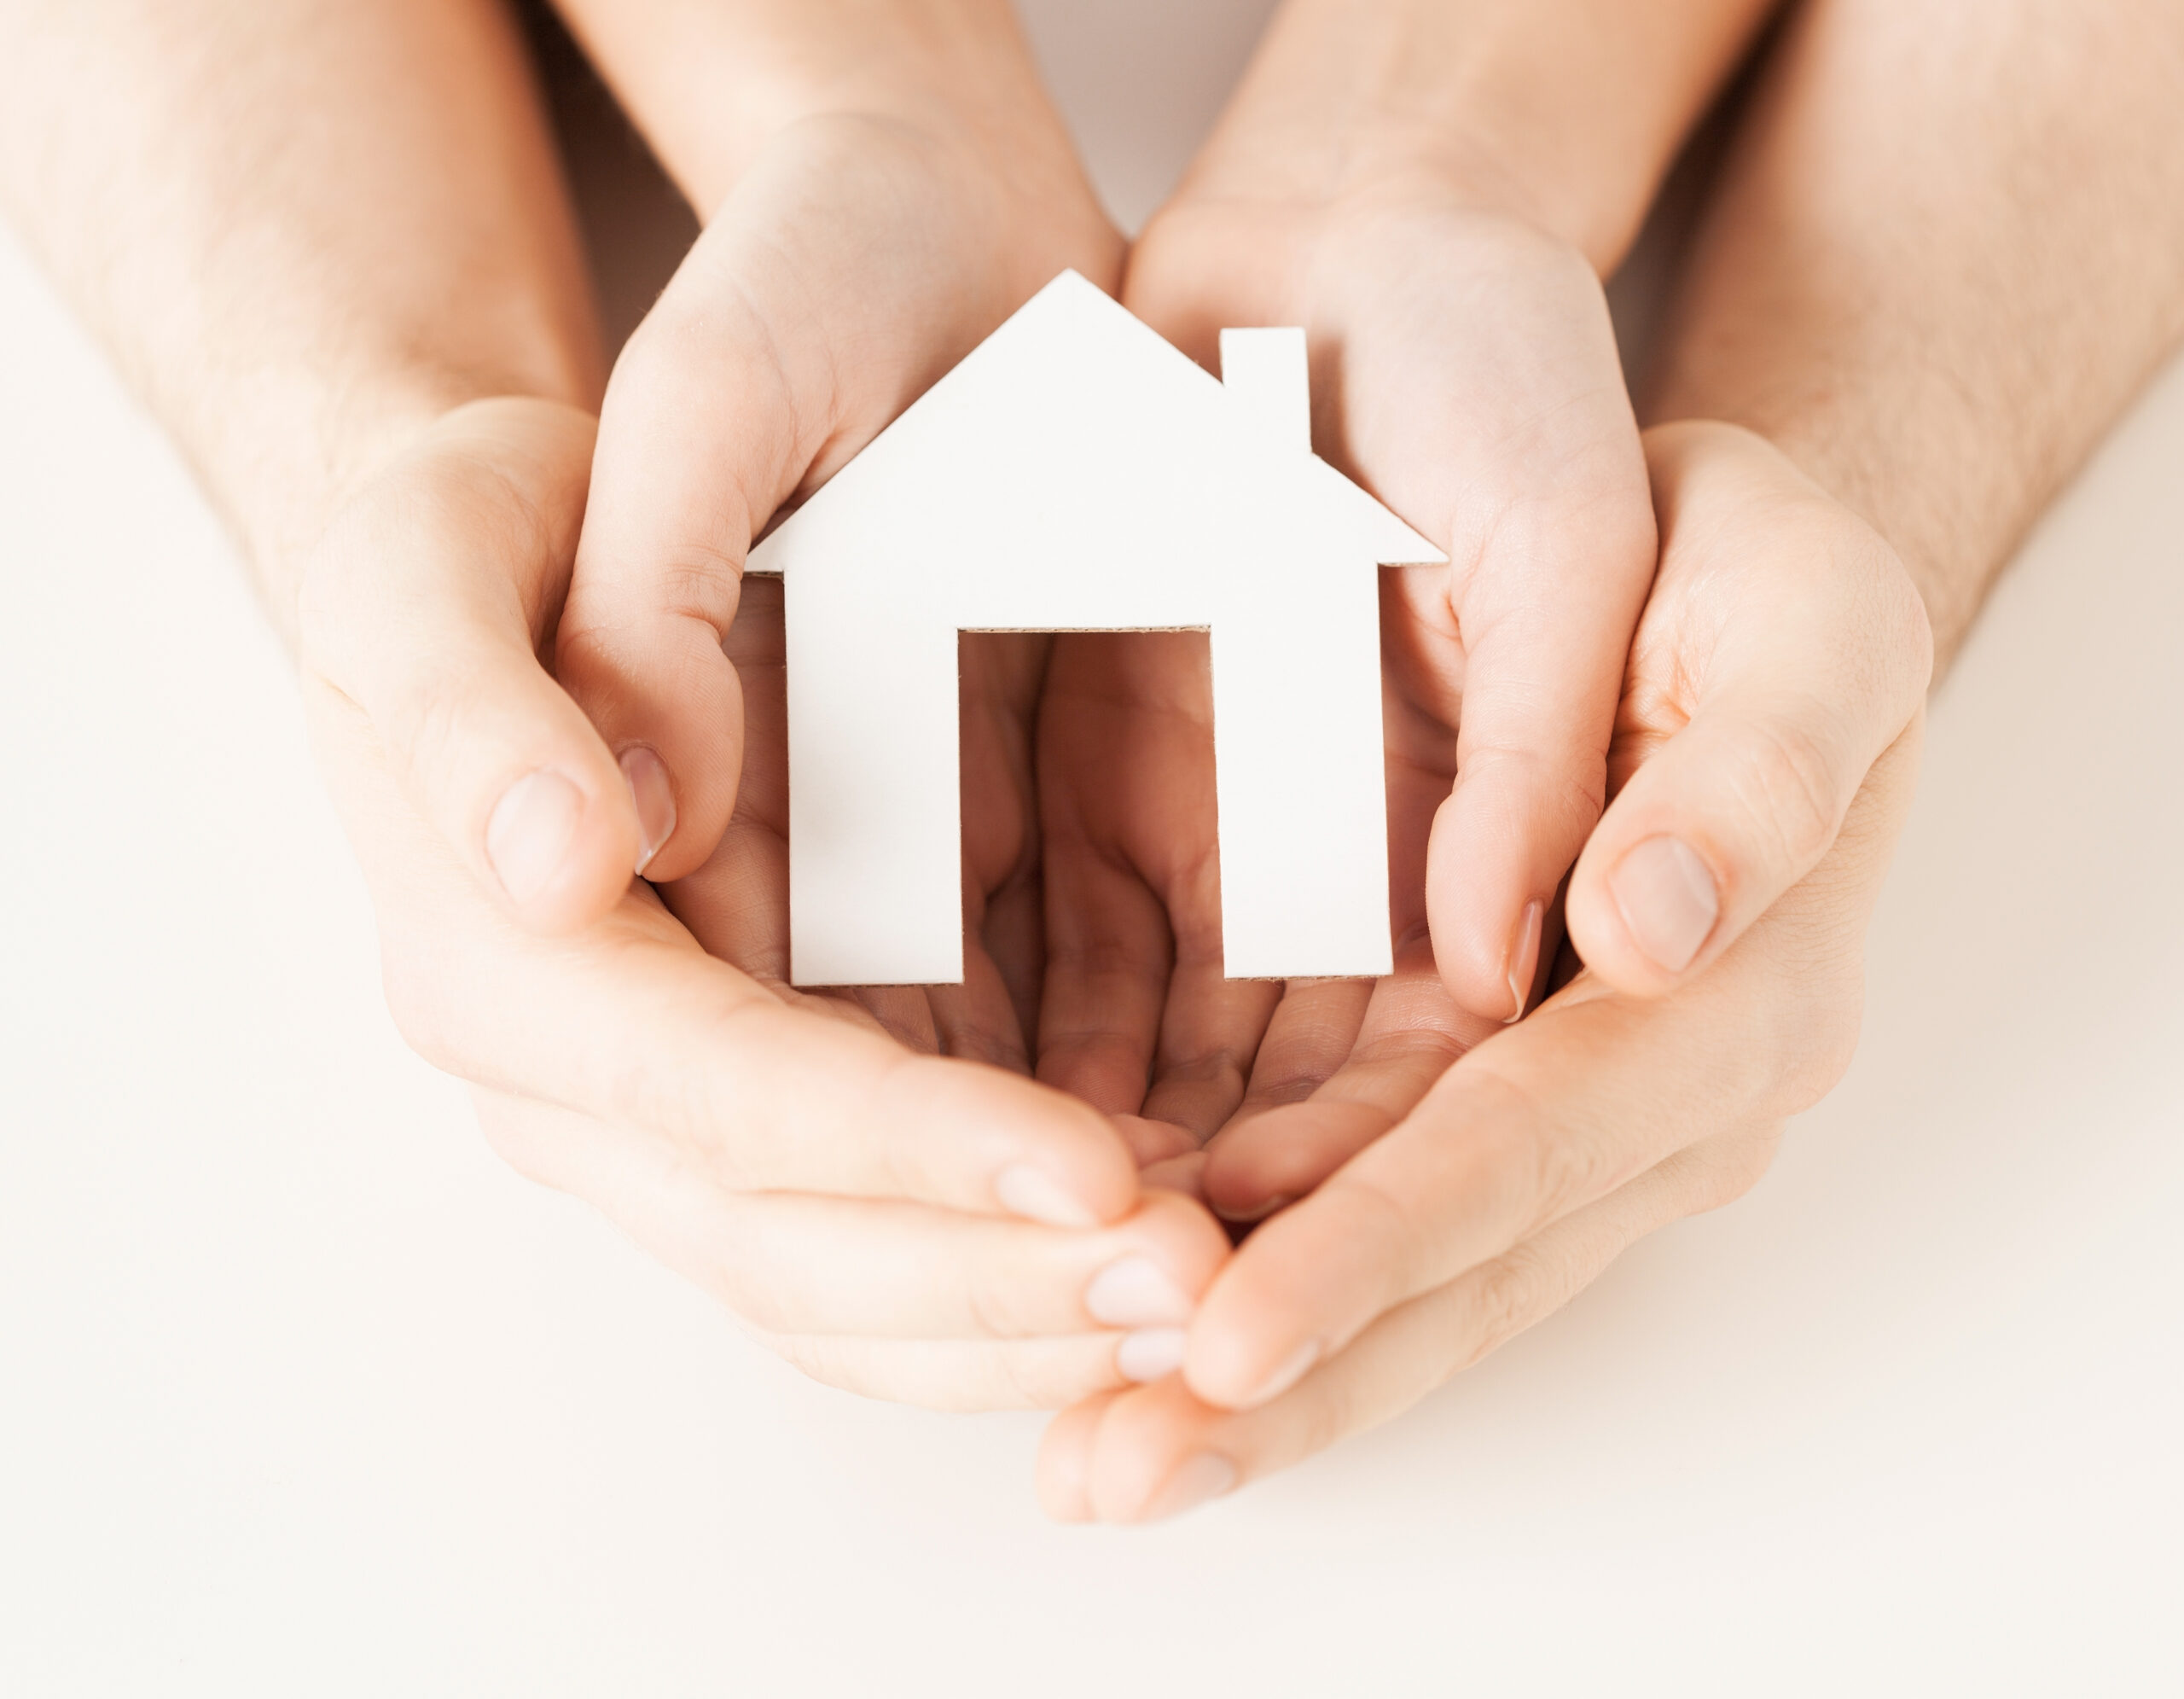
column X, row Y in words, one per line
column 1433, row 191
column 1770, row 721
column 906, row 1225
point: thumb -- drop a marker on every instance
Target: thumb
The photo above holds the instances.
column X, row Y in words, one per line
column 426, row 604
column 848, row 270
column 1787, row 631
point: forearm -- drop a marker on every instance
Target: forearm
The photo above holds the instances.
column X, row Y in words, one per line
column 1948, row 251
column 1568, row 112
column 709, row 81
column 303, row 227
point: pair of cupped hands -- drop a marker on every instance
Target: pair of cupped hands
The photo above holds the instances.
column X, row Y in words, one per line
column 533, row 667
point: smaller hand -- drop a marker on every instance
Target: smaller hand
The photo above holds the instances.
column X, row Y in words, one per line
column 1465, row 371
column 908, row 1225
column 1769, row 725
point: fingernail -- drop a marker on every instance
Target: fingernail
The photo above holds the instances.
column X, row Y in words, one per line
column 1151, row 1353
column 1135, row 1291
column 528, row 837
column 1207, row 1476
column 1524, row 958
column 1030, row 1192
column 1292, row 1371
column 655, row 800
column 1667, row 899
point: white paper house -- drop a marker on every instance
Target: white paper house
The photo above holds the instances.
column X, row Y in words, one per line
column 1078, row 473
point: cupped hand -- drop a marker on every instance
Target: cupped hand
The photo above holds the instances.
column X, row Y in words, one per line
column 899, row 1223
column 1465, row 371
column 1769, row 727
column 858, row 256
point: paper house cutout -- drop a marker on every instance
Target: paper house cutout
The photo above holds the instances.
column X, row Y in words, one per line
column 1075, row 472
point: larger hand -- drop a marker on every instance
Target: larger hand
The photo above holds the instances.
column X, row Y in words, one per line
column 1770, row 725
column 909, row 1226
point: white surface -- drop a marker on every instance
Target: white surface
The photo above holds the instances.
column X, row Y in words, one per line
column 1074, row 473
column 302, row 1393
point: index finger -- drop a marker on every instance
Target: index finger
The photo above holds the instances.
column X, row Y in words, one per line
column 631, row 1021
column 775, row 1094
column 1549, row 1115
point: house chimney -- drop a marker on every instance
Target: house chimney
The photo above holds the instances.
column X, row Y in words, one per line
column 1265, row 371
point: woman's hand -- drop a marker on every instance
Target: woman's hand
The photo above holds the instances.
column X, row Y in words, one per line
column 908, row 1226
column 1432, row 189
column 1466, row 373
column 1769, row 727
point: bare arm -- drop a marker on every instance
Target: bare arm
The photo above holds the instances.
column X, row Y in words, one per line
column 1566, row 113
column 1949, row 249
column 710, row 84
column 304, row 228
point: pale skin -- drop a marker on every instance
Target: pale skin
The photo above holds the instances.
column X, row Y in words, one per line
column 402, row 472
column 1434, row 191
column 1920, row 324
column 389, row 392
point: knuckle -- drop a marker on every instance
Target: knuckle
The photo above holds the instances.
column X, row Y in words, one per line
column 1548, row 1166
column 989, row 1304
column 1023, row 1381
column 1566, row 1172
column 428, row 722
column 1330, row 1412
column 701, row 580
column 1786, row 793
column 902, row 1097
column 1566, row 785
column 701, row 1111
column 1377, row 1216
column 1507, row 1295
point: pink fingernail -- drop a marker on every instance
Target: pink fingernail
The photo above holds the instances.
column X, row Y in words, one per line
column 527, row 839
column 1151, row 1353
column 654, row 797
column 1524, row 958
column 1667, row 901
column 1135, row 1291
column 1207, row 1476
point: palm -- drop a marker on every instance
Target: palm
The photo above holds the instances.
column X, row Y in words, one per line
column 1443, row 384
column 1138, row 1018
column 737, row 906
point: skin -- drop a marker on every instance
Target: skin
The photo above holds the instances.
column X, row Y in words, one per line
column 1927, row 323
column 1434, row 191
column 884, row 184
column 388, row 391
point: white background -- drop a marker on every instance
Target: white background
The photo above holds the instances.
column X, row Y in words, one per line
column 301, row 1392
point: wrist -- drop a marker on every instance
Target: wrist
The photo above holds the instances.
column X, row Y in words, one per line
column 1564, row 115
column 711, row 86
